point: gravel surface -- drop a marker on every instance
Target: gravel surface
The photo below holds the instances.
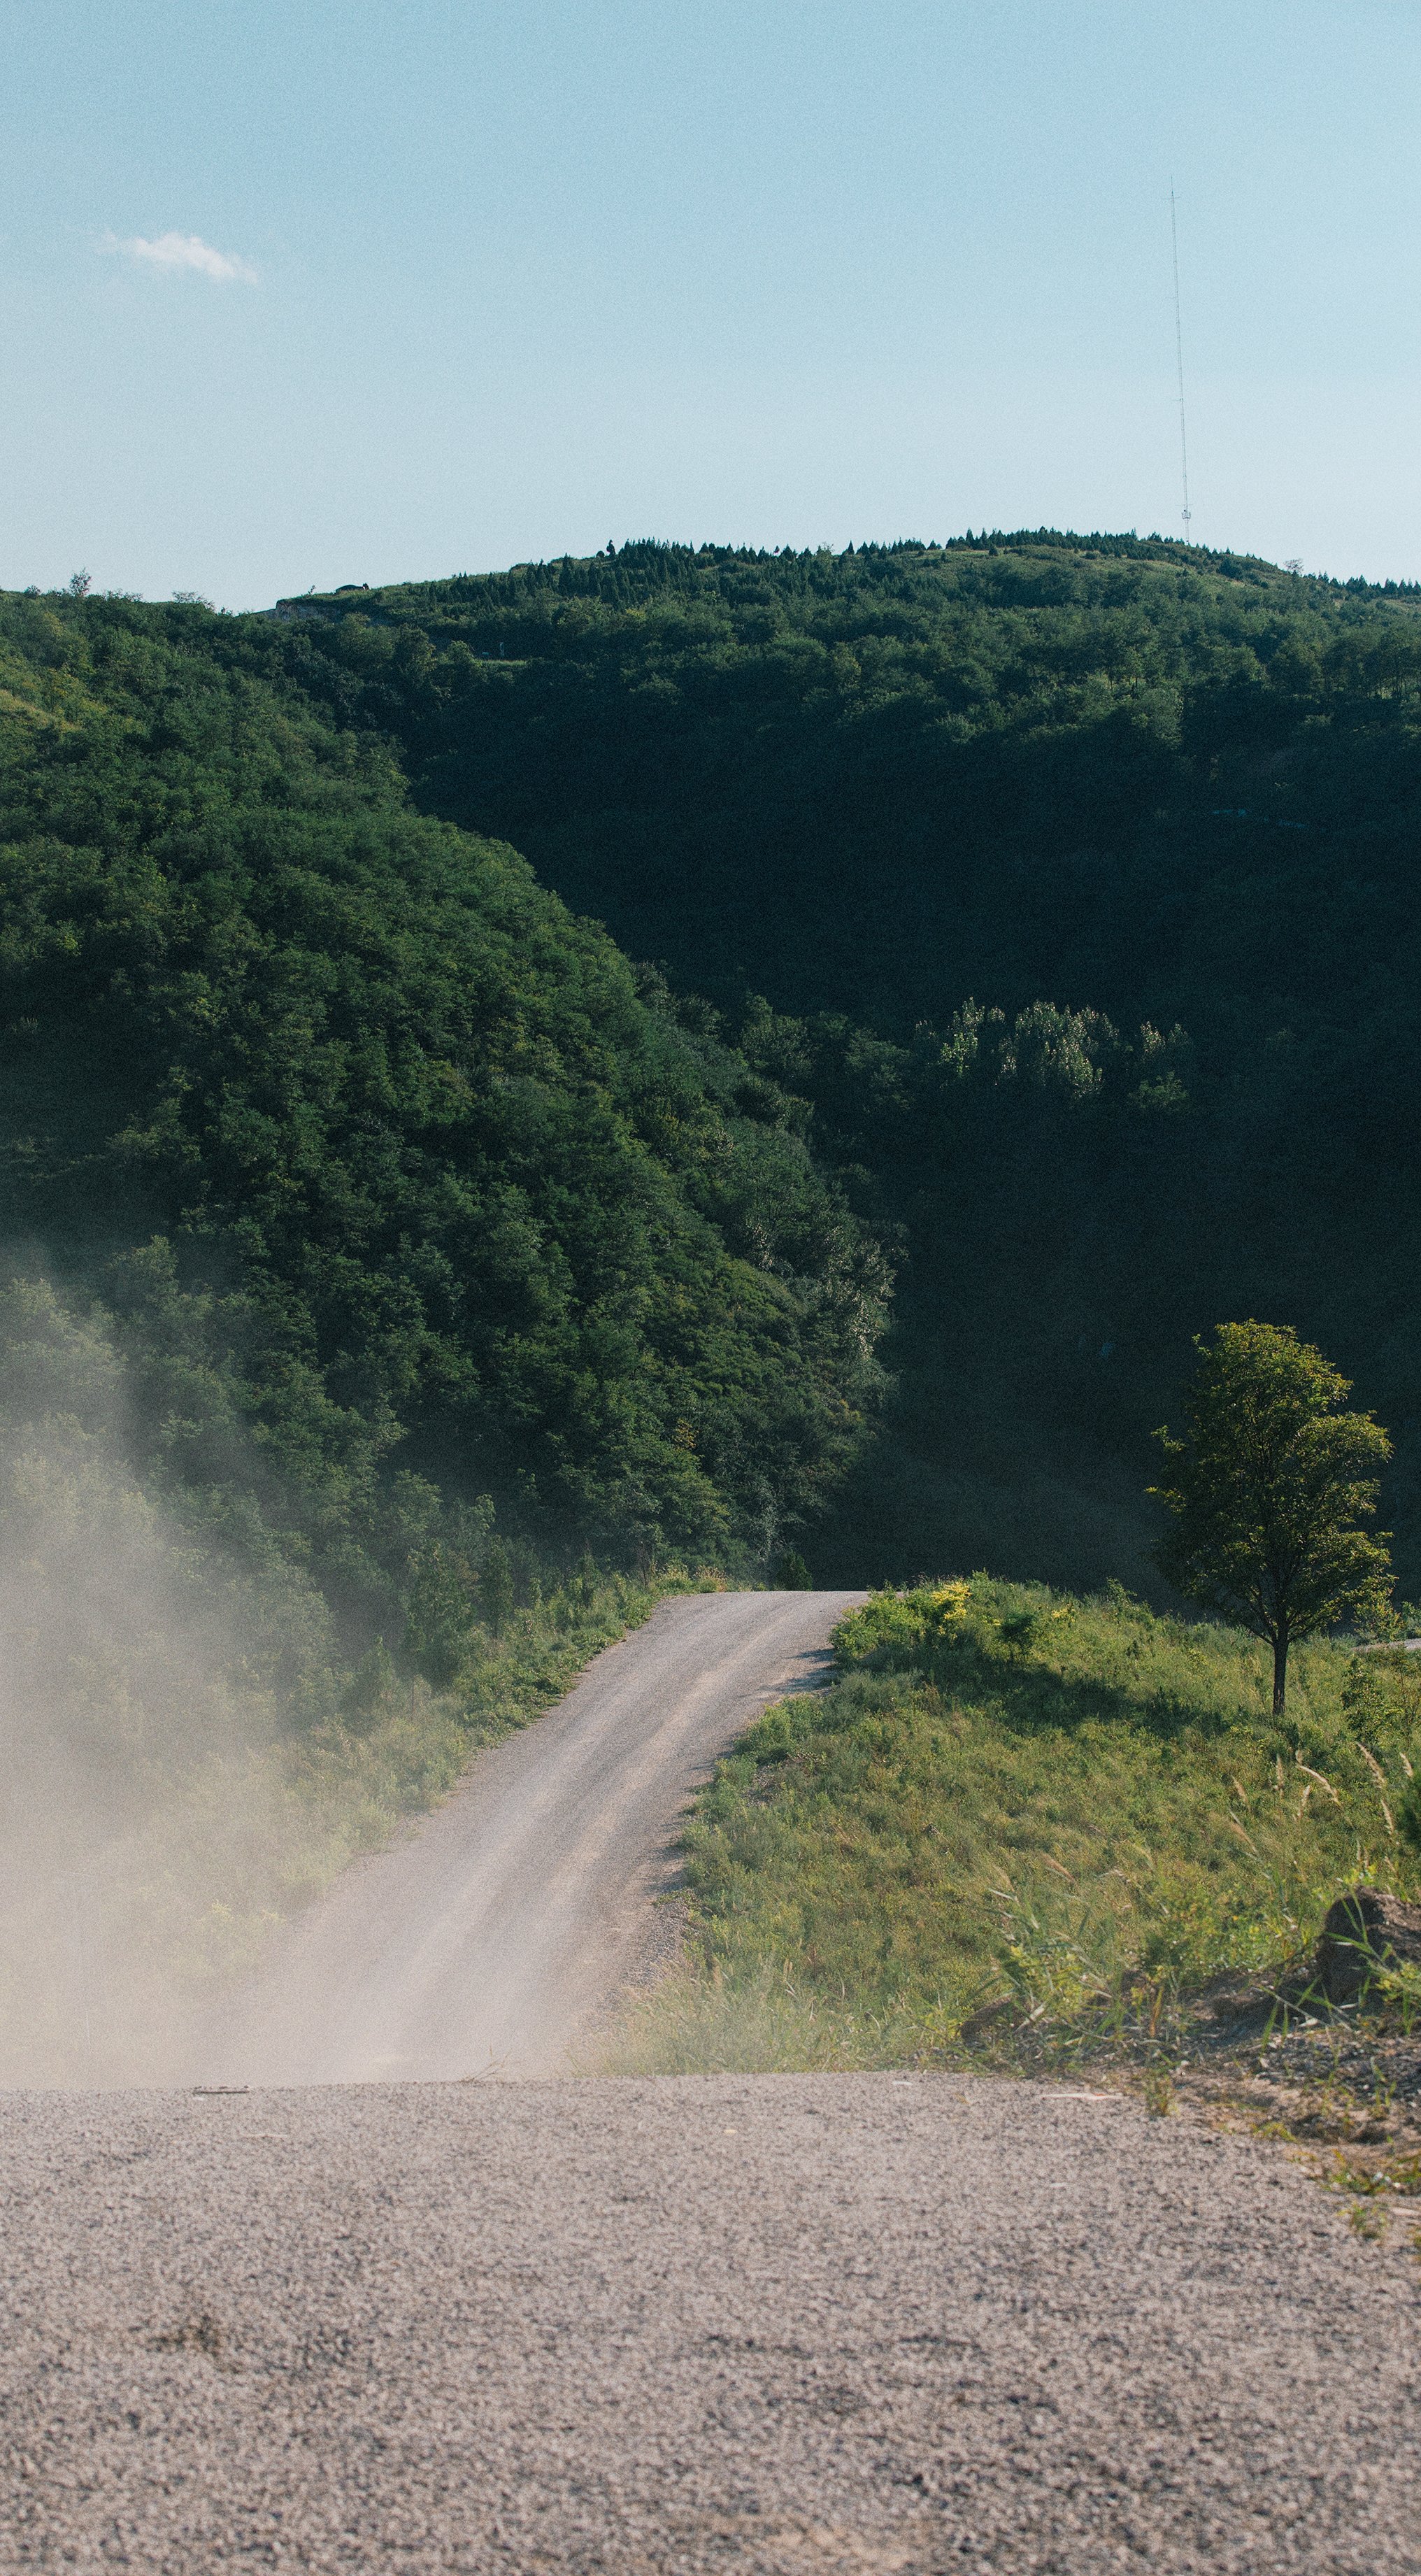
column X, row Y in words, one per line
column 487, row 1938
column 774, row 2323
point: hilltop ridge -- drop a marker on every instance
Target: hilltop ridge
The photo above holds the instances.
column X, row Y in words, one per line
column 642, row 566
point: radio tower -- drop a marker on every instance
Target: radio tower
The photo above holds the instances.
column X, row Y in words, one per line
column 1186, row 513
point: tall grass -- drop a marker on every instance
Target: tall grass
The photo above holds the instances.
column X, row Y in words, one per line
column 1018, row 1812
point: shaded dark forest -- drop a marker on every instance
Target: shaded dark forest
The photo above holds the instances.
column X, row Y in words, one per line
column 1069, row 882
column 1029, row 915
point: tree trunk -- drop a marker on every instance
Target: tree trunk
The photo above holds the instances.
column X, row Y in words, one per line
column 1280, row 1671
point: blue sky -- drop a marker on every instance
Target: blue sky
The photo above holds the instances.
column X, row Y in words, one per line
column 308, row 291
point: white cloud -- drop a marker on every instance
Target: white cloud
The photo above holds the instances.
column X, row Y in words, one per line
column 183, row 250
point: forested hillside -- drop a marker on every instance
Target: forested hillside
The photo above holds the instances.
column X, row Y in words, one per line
column 1070, row 880
column 1036, row 908
column 415, row 1214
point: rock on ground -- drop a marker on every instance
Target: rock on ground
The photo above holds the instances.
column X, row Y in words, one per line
column 1365, row 1926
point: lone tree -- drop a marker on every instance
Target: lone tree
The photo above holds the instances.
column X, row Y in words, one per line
column 1268, row 1488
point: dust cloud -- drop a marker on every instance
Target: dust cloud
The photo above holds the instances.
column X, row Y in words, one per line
column 152, row 1826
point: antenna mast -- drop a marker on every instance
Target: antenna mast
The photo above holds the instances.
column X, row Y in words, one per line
column 1186, row 513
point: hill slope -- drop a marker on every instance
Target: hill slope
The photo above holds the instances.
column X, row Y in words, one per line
column 1075, row 881
column 400, row 1185
column 1028, row 1819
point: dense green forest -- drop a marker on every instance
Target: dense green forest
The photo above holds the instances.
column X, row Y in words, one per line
column 1029, row 915
column 418, row 1222
column 1068, row 881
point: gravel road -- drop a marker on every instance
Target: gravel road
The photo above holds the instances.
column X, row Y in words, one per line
column 769, row 2323
column 493, row 1933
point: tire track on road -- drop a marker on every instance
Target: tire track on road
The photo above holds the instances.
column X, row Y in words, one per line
column 489, row 1937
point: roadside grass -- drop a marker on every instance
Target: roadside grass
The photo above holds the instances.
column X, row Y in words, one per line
column 1027, row 1827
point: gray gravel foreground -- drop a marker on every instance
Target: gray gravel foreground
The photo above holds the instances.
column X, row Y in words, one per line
column 763, row 2323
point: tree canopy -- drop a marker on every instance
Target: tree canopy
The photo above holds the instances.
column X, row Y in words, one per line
column 400, row 1180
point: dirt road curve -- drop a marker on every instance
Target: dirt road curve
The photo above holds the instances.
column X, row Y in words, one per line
column 775, row 2325
column 491, row 1935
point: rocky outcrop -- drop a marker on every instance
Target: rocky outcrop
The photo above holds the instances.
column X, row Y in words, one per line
column 1362, row 1929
